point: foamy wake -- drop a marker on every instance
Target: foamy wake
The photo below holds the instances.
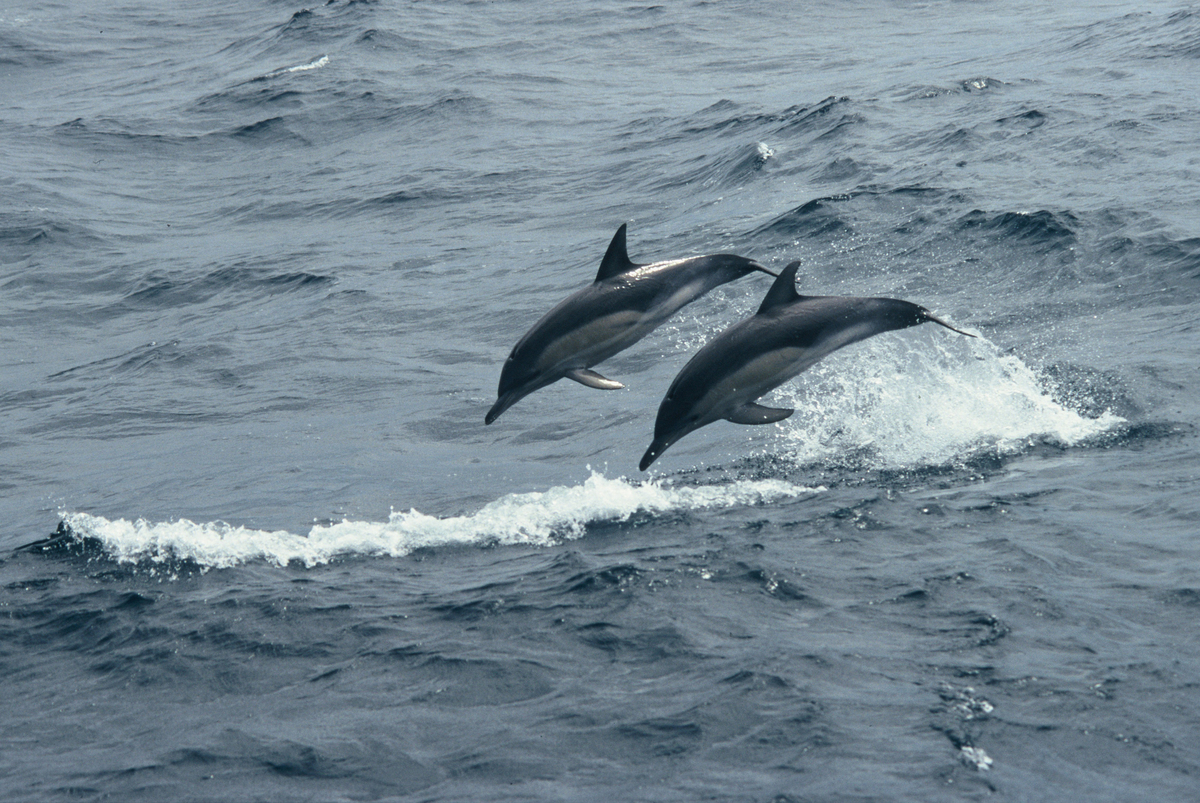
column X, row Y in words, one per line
column 916, row 401
column 532, row 518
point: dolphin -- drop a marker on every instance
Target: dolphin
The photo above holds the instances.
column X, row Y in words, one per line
column 789, row 334
column 625, row 303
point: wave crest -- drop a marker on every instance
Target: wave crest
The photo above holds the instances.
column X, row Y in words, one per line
column 929, row 403
column 539, row 518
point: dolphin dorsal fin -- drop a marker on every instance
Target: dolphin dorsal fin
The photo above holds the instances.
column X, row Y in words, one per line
column 616, row 259
column 783, row 291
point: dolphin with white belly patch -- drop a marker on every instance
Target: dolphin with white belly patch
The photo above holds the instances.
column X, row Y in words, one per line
column 625, row 303
column 787, row 335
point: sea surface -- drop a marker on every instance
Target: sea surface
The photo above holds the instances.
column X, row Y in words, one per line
column 261, row 264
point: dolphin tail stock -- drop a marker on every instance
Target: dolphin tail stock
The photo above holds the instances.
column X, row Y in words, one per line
column 929, row 316
column 755, row 266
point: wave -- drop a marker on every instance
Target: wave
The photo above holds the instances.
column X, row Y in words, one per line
column 539, row 518
column 980, row 83
column 1179, row 258
column 833, row 214
column 106, row 135
column 18, row 51
column 161, row 290
column 315, row 64
column 1146, row 36
column 24, row 232
column 1042, row 229
column 730, row 168
column 815, row 218
column 724, row 118
column 928, row 400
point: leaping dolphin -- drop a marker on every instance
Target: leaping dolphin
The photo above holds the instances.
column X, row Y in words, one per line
column 625, row 303
column 787, row 335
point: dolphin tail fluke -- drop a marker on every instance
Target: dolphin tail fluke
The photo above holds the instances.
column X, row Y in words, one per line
column 592, row 379
column 751, row 413
column 930, row 317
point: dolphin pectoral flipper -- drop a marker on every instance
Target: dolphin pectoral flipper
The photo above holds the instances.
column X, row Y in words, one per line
column 592, row 379
column 751, row 413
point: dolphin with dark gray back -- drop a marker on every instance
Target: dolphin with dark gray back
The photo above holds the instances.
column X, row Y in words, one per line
column 789, row 334
column 625, row 303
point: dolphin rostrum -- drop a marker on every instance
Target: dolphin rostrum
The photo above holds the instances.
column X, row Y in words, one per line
column 625, row 303
column 787, row 335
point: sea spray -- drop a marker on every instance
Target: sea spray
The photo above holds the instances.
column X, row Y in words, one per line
column 929, row 400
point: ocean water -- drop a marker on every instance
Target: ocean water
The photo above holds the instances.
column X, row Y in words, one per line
column 260, row 266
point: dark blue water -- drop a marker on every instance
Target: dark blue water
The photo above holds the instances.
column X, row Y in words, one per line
column 260, row 267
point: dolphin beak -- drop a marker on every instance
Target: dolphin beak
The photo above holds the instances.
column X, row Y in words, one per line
column 656, row 449
column 502, row 404
column 765, row 270
column 650, row 456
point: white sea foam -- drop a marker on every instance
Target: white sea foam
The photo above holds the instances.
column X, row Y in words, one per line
column 539, row 518
column 975, row 757
column 912, row 402
column 312, row 65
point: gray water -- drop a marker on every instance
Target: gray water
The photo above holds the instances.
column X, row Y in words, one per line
column 260, row 267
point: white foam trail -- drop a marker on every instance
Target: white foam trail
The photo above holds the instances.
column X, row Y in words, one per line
column 910, row 401
column 312, row 65
column 539, row 518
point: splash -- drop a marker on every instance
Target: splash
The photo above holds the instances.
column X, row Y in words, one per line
column 540, row 518
column 926, row 401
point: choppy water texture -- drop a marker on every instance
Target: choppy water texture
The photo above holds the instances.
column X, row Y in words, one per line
column 260, row 266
